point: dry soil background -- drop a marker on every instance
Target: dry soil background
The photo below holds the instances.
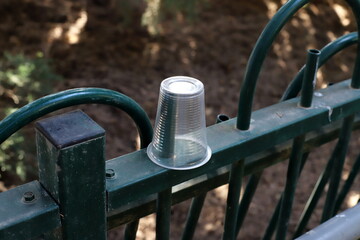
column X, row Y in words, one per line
column 91, row 46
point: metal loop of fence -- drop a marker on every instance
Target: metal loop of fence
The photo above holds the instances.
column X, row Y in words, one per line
column 261, row 48
column 51, row 103
column 326, row 53
column 78, row 96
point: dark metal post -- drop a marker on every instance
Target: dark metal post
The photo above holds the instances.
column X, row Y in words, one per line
column 309, row 80
column 163, row 215
column 72, row 168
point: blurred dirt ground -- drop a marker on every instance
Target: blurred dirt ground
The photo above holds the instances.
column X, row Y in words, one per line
column 97, row 44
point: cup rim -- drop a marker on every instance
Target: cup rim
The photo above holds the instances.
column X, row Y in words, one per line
column 157, row 161
column 198, row 86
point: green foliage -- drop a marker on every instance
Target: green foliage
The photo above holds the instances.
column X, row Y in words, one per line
column 158, row 11
column 22, row 80
column 187, row 8
column 154, row 13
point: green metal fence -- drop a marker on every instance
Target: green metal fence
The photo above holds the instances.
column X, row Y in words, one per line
column 79, row 195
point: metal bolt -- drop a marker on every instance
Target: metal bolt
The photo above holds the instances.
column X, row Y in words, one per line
column 28, row 197
column 110, row 173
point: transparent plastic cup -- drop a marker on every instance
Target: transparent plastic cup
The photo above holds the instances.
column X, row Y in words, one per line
column 179, row 140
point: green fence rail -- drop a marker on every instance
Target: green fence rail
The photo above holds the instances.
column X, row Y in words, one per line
column 79, row 195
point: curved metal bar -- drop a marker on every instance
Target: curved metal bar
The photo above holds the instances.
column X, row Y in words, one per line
column 355, row 80
column 261, row 48
column 72, row 97
column 326, row 53
column 257, row 58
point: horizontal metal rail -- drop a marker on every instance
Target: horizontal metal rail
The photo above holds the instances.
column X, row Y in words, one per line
column 219, row 177
column 344, row 226
column 21, row 221
column 138, row 178
column 23, row 217
column 131, row 194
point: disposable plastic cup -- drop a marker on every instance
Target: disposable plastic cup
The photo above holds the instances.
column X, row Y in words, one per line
column 179, row 140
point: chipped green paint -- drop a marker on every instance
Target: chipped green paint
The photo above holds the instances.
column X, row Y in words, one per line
column 72, row 168
column 24, row 220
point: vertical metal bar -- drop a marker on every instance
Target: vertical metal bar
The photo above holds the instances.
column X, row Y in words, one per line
column 130, row 230
column 326, row 53
column 193, row 216
column 307, row 91
column 132, row 227
column 72, row 169
column 314, row 198
column 355, row 7
column 246, row 199
column 163, row 214
column 329, row 208
column 309, row 81
column 261, row 48
column 232, row 204
column 347, row 185
column 197, row 202
column 257, row 58
column 341, row 146
column 291, row 181
column 274, row 218
column 273, row 221
column 283, row 208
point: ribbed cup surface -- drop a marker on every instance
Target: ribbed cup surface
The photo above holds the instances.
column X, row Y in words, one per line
column 179, row 140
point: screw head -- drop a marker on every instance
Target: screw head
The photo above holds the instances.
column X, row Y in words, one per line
column 110, row 173
column 28, row 197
